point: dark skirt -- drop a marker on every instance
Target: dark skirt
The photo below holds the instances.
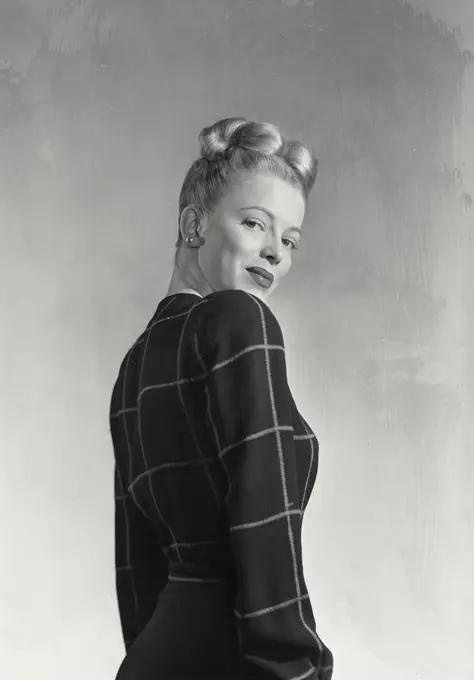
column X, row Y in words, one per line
column 192, row 634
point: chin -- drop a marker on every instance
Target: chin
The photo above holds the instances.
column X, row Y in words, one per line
column 249, row 287
column 261, row 293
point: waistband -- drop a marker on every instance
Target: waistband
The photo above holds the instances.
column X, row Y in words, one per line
column 201, row 572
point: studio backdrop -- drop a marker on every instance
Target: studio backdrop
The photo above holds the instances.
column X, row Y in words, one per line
column 101, row 103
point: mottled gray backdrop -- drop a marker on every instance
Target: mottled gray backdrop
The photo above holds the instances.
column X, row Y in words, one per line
column 101, row 102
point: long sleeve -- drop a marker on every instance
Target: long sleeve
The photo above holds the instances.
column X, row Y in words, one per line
column 141, row 568
column 250, row 411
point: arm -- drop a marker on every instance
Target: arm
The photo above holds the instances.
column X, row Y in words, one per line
column 141, row 568
column 250, row 410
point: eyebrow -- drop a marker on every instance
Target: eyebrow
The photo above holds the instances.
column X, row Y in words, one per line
column 267, row 212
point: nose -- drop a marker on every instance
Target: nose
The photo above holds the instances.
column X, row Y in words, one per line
column 273, row 254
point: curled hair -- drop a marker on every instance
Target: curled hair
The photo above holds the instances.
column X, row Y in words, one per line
column 233, row 145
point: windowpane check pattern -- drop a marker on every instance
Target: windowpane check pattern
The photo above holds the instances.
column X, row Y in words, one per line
column 214, row 466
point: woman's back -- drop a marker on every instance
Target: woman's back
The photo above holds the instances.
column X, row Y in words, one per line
column 214, row 468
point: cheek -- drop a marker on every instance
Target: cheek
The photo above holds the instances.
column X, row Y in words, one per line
column 224, row 252
column 246, row 242
column 285, row 268
column 236, row 242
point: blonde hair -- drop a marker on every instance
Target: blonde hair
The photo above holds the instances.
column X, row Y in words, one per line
column 233, row 145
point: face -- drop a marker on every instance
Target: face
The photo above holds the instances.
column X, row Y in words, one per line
column 251, row 234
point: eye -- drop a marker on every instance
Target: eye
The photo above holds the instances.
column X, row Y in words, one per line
column 253, row 223
column 293, row 244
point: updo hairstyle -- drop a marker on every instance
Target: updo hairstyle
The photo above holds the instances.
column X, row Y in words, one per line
column 233, row 145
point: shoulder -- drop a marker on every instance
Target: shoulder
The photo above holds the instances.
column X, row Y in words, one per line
column 241, row 314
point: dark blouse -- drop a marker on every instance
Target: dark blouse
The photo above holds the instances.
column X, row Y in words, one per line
column 215, row 466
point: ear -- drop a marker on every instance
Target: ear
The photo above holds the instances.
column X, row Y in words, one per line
column 189, row 221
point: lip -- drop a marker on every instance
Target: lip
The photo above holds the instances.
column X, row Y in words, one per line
column 264, row 278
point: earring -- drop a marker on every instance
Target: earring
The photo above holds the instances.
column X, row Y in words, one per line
column 194, row 241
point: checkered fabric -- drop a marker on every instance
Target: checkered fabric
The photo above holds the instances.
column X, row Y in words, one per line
column 214, row 463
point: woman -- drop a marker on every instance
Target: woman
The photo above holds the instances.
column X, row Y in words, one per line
column 214, row 464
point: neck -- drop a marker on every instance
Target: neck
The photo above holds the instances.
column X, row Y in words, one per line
column 186, row 277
